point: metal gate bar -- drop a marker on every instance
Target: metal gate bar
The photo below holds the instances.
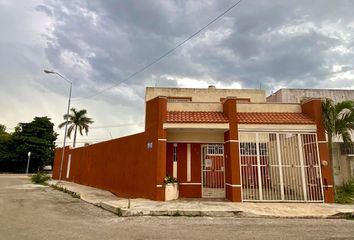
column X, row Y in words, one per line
column 213, row 171
column 280, row 167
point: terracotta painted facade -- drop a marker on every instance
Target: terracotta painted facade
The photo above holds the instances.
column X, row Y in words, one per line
column 177, row 129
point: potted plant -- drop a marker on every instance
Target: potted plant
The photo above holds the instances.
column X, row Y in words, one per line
column 171, row 188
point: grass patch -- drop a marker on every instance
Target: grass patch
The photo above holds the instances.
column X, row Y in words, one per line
column 345, row 193
column 40, row 178
column 64, row 190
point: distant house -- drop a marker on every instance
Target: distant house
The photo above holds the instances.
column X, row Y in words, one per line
column 343, row 157
column 218, row 143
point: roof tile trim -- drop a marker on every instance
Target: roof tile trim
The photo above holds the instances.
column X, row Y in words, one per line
column 242, row 118
column 273, row 118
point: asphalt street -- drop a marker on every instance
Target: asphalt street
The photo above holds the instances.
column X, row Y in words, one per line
column 30, row 211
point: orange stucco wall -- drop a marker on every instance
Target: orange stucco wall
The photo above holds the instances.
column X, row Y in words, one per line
column 187, row 189
column 124, row 166
column 232, row 163
column 313, row 109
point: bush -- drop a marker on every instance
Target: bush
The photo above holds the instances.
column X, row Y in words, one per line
column 40, row 178
column 345, row 193
column 169, row 179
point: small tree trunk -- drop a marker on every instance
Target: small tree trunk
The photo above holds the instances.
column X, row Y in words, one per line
column 74, row 141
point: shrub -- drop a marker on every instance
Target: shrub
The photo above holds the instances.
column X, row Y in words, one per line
column 169, row 179
column 40, row 178
column 345, row 193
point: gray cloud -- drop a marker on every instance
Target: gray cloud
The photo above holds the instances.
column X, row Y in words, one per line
column 257, row 42
column 99, row 43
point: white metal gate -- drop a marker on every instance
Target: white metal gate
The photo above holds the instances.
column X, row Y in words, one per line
column 280, row 167
column 213, row 171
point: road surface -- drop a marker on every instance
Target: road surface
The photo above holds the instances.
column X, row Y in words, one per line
column 34, row 212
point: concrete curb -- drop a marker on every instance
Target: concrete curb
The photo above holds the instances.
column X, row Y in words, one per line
column 141, row 211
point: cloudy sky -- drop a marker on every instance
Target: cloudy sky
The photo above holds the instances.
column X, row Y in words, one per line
column 97, row 44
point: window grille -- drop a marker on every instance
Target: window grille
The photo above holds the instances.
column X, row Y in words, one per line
column 347, row 148
column 215, row 149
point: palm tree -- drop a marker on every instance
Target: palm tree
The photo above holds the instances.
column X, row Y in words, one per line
column 338, row 120
column 77, row 119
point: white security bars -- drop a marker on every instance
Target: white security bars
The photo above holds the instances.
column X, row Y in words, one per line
column 213, row 171
column 280, row 167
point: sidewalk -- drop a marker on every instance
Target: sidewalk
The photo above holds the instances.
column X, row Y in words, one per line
column 202, row 207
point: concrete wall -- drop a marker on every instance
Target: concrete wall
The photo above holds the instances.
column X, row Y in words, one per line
column 268, row 107
column 132, row 166
column 200, row 137
column 297, row 95
column 192, row 188
column 342, row 165
column 313, row 109
column 114, row 165
column 205, row 94
column 194, row 106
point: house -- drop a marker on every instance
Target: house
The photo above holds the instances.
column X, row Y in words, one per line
column 218, row 143
column 343, row 156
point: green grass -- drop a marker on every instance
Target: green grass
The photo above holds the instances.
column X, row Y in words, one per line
column 64, row 190
column 40, row 178
column 345, row 193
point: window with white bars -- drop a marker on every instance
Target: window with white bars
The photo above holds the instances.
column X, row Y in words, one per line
column 250, row 148
column 215, row 149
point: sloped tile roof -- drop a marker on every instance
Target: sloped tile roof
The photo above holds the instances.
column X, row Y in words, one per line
column 273, row 118
column 195, row 117
column 242, row 117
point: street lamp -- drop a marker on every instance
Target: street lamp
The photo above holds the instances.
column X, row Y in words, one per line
column 67, row 119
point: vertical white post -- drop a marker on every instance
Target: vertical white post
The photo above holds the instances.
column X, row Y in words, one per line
column 174, row 160
column 68, row 166
column 280, row 169
column 319, row 166
column 189, row 176
column 304, row 185
column 259, row 169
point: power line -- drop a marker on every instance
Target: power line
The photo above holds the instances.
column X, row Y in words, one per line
column 164, row 54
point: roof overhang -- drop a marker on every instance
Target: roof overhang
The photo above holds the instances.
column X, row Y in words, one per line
column 277, row 127
column 217, row 127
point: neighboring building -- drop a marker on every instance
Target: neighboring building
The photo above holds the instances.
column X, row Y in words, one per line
column 343, row 157
column 218, row 143
column 293, row 95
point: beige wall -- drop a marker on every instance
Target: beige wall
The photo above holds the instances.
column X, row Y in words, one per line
column 200, row 137
column 205, row 94
column 194, row 106
column 297, row 95
column 342, row 165
column 268, row 107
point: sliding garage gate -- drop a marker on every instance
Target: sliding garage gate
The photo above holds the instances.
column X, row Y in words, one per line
column 280, row 167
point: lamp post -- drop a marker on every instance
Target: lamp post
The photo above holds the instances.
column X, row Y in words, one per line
column 28, row 162
column 67, row 119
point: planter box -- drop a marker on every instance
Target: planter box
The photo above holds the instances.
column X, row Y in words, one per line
column 171, row 191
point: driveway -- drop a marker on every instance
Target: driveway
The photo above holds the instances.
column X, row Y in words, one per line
column 35, row 212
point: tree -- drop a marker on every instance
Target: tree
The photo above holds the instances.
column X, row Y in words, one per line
column 37, row 137
column 2, row 129
column 76, row 120
column 338, row 120
column 5, row 153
